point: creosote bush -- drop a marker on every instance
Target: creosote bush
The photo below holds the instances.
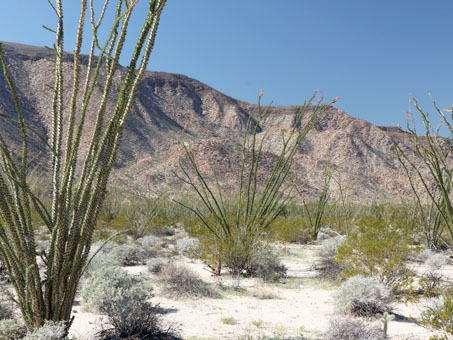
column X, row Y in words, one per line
column 379, row 249
column 363, row 296
column 292, row 229
column 349, row 329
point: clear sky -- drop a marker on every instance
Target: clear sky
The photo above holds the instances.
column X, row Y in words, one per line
column 371, row 53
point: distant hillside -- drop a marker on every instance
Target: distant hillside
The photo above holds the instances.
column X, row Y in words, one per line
column 360, row 152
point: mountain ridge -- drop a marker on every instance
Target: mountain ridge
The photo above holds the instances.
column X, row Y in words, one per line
column 360, row 153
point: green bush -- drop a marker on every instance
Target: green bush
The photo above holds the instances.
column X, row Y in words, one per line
column 11, row 329
column 292, row 230
column 377, row 249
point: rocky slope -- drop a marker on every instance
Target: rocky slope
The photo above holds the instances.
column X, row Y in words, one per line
column 360, row 152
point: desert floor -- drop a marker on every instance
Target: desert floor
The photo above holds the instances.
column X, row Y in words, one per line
column 300, row 304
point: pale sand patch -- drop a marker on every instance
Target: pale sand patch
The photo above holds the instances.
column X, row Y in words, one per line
column 300, row 304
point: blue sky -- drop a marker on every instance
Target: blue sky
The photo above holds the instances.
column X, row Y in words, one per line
column 372, row 54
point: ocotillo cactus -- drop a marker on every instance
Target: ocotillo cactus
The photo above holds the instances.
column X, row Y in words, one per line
column 76, row 199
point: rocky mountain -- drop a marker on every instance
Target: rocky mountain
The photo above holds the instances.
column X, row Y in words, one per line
column 360, row 153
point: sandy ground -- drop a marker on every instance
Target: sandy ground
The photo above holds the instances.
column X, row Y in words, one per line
column 300, row 304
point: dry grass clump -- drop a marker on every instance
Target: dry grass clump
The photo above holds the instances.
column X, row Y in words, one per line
column 180, row 279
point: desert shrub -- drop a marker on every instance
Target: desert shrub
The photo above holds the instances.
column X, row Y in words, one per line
column 182, row 280
column 189, row 246
column 156, row 265
column 328, row 266
column 439, row 316
column 106, row 283
column 150, row 243
column 132, row 316
column 292, row 230
column 11, row 329
column 129, row 255
column 49, row 331
column 377, row 249
column 266, row 265
column 349, row 329
column 363, row 296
